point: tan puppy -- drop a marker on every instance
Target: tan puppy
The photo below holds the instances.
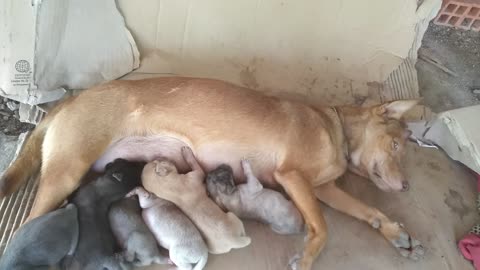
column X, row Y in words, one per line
column 294, row 146
column 221, row 231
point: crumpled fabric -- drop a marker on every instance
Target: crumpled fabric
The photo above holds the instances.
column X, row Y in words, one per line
column 470, row 248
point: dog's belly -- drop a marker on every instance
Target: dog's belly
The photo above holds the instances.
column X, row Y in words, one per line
column 209, row 155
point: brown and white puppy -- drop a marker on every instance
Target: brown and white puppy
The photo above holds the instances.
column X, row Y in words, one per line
column 221, row 231
column 291, row 145
column 252, row 201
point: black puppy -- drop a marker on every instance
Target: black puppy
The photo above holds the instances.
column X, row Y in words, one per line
column 96, row 245
column 43, row 242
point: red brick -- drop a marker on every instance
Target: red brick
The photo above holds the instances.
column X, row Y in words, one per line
column 464, row 14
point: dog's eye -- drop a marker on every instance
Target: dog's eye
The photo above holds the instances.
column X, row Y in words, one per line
column 395, row 145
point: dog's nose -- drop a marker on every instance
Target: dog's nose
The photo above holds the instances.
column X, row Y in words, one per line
column 405, row 186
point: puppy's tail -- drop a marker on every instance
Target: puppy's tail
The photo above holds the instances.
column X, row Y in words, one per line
column 202, row 262
column 29, row 159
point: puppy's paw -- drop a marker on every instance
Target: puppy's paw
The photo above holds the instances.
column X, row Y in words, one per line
column 132, row 192
column 294, row 263
column 405, row 244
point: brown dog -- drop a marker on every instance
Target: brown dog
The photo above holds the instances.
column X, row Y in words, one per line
column 301, row 148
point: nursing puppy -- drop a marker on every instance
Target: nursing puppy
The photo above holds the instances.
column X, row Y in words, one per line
column 221, row 231
column 252, row 201
column 43, row 242
column 96, row 245
column 132, row 234
column 173, row 231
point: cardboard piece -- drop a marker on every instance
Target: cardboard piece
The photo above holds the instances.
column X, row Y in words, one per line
column 322, row 52
column 30, row 113
column 456, row 132
column 49, row 46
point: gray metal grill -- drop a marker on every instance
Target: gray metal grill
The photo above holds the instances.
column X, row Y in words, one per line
column 14, row 209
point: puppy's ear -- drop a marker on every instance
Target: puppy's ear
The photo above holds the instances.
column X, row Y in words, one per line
column 118, row 176
column 161, row 171
column 108, row 166
column 231, row 189
column 230, row 183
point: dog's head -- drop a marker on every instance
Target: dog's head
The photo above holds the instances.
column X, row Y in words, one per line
column 377, row 138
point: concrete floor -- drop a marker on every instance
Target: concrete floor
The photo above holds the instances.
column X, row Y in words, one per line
column 459, row 51
column 438, row 210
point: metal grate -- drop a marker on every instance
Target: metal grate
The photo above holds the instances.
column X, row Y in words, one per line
column 14, row 209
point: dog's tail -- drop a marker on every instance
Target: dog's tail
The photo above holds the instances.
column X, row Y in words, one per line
column 27, row 163
column 202, row 262
column 29, row 159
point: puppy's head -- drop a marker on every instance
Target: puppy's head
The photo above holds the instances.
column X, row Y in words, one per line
column 221, row 181
column 158, row 169
column 124, row 173
column 164, row 167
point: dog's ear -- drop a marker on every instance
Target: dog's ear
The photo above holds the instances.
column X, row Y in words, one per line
column 395, row 109
column 407, row 133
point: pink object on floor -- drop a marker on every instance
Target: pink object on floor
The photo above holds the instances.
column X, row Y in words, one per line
column 470, row 248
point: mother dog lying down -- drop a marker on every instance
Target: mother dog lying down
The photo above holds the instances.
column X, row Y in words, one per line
column 300, row 148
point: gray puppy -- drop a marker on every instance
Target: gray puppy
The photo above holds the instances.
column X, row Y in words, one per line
column 252, row 201
column 43, row 242
column 173, row 230
column 139, row 244
column 96, row 245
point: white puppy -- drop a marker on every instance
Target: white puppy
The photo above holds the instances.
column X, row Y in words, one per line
column 221, row 231
column 173, row 230
column 252, row 201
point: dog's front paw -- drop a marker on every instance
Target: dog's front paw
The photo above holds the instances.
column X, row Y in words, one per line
column 294, row 262
column 406, row 245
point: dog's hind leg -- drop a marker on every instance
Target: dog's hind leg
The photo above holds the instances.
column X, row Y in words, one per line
column 57, row 182
column 393, row 231
column 301, row 192
column 65, row 162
